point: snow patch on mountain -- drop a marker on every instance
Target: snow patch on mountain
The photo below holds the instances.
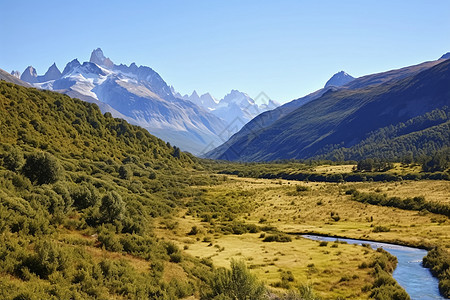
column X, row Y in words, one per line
column 236, row 108
column 138, row 94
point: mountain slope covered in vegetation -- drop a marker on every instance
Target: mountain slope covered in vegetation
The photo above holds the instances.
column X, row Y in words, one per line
column 78, row 195
column 345, row 119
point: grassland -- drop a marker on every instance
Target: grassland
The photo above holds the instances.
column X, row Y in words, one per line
column 302, row 207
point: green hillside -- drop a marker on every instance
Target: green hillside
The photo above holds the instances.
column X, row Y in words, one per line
column 356, row 124
column 414, row 139
column 78, row 195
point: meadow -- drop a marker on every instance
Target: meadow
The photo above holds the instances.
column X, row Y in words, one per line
column 292, row 208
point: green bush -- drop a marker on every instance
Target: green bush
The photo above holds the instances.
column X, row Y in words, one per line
column 42, row 168
column 237, row 283
column 112, row 207
column 282, row 238
column 13, row 160
column 84, row 195
column 125, row 172
column 438, row 261
column 381, row 229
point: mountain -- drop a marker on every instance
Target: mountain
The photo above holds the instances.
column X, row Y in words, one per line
column 52, row 73
column 339, row 79
column 15, row 73
column 206, row 101
column 29, row 75
column 236, row 108
column 11, row 78
column 97, row 57
column 445, row 56
column 137, row 94
column 344, row 117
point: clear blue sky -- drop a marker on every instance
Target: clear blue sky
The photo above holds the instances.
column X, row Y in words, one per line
column 284, row 48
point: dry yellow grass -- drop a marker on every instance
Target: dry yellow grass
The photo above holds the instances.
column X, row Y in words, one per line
column 327, row 169
column 278, row 203
column 325, row 268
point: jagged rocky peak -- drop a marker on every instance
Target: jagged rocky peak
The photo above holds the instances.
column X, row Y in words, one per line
column 339, row 79
column 195, row 94
column 15, row 73
column 238, row 98
column 445, row 56
column 29, row 75
column 97, row 57
column 71, row 66
column 53, row 73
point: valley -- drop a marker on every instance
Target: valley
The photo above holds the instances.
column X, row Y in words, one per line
column 333, row 270
column 100, row 200
column 93, row 207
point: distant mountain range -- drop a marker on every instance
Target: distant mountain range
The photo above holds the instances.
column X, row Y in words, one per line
column 140, row 96
column 236, row 108
column 351, row 118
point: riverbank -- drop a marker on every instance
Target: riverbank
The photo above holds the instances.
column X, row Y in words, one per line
column 409, row 272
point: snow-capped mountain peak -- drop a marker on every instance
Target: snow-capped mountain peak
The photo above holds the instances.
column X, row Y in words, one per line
column 71, row 66
column 137, row 94
column 236, row 108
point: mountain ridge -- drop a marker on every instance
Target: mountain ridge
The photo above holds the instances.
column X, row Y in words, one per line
column 289, row 131
column 136, row 93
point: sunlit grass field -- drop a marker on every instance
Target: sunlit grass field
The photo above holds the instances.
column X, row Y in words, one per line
column 333, row 269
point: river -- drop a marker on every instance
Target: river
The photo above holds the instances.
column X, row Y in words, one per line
column 418, row 281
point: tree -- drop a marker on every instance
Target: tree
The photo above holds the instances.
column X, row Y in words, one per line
column 42, row 168
column 112, row 207
column 176, row 152
column 365, row 165
column 439, row 162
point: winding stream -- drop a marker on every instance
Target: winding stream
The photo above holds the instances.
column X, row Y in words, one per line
column 415, row 279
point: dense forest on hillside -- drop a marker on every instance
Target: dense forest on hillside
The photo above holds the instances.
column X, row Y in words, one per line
column 76, row 187
column 418, row 137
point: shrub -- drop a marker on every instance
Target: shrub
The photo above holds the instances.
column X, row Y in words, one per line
column 335, row 216
column 48, row 259
column 125, row 172
column 282, row 238
column 438, row 261
column 112, row 207
column 13, row 160
column 175, row 257
column 110, row 241
column 84, row 195
column 42, row 168
column 194, row 230
column 381, row 229
column 237, row 283
column 302, row 188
